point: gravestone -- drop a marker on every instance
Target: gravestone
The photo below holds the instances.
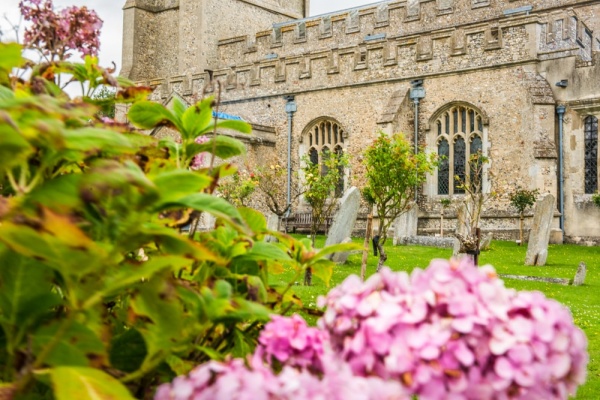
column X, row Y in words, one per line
column 272, row 225
column 580, row 274
column 406, row 224
column 345, row 218
column 486, row 242
column 456, row 247
column 462, row 221
column 539, row 235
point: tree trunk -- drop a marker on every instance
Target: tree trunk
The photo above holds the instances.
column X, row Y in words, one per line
column 365, row 255
column 382, row 256
column 521, row 230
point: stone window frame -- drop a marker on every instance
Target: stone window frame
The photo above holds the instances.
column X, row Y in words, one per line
column 434, row 137
column 588, row 122
column 325, row 133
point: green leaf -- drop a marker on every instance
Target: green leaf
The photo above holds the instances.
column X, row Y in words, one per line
column 6, row 93
column 14, row 149
column 179, row 366
column 254, row 219
column 179, row 183
column 196, row 119
column 262, row 251
column 10, row 56
column 148, row 115
column 239, row 126
column 71, row 383
column 88, row 139
column 212, row 353
column 224, row 147
column 211, row 204
column 128, row 351
column 241, row 346
column 323, row 269
column 25, row 292
column 78, row 345
column 60, row 194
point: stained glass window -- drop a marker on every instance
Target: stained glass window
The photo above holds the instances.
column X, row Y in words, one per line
column 591, row 154
column 444, row 167
column 460, row 162
column 327, row 135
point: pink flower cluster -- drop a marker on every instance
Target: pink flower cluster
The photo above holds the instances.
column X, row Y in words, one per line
column 56, row 34
column 233, row 380
column 199, row 159
column 453, row 331
column 290, row 342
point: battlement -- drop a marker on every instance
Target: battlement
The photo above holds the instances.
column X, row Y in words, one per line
column 374, row 44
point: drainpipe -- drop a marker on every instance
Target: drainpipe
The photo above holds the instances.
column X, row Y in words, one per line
column 560, row 110
column 417, row 92
column 290, row 109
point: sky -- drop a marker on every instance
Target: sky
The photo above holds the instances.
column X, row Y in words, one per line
column 110, row 11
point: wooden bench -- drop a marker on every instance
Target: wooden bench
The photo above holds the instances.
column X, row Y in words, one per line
column 302, row 222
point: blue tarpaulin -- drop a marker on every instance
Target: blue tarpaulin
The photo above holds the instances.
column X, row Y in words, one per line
column 222, row 115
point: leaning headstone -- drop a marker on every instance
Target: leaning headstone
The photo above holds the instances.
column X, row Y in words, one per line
column 539, row 236
column 272, row 225
column 345, row 218
column 456, row 247
column 341, row 258
column 486, row 242
column 580, row 274
column 462, row 221
column 406, row 224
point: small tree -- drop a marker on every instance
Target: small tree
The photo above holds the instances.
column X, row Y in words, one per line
column 393, row 175
column 474, row 201
column 522, row 199
column 238, row 188
column 321, row 181
column 596, row 199
column 272, row 184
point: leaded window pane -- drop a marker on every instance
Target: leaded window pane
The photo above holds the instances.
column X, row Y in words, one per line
column 472, row 120
column 463, row 119
column 476, row 147
column 439, row 126
column 591, row 154
column 339, row 189
column 310, row 139
column 460, row 163
column 479, row 124
column 455, row 120
column 444, row 167
column 447, row 120
column 313, row 154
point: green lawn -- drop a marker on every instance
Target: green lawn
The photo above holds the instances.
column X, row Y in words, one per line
column 507, row 258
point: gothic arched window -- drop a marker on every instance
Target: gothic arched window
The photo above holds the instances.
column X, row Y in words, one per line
column 459, row 132
column 328, row 137
column 591, row 154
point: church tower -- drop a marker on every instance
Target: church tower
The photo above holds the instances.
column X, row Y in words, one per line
column 179, row 37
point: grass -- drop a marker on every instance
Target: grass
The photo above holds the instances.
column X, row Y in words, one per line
column 507, row 258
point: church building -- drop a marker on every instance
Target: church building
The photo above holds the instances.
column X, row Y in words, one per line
column 518, row 80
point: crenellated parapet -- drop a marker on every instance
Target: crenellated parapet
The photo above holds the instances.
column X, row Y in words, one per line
column 381, row 43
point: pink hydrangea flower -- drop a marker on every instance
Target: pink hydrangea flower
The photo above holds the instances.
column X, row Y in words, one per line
column 291, row 342
column 233, row 380
column 200, row 158
column 454, row 331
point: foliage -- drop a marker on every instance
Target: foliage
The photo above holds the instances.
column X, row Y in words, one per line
column 522, row 199
column 445, row 203
column 100, row 295
column 452, row 328
column 393, row 174
column 238, row 188
column 596, row 199
column 321, row 181
column 105, row 99
column 272, row 184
